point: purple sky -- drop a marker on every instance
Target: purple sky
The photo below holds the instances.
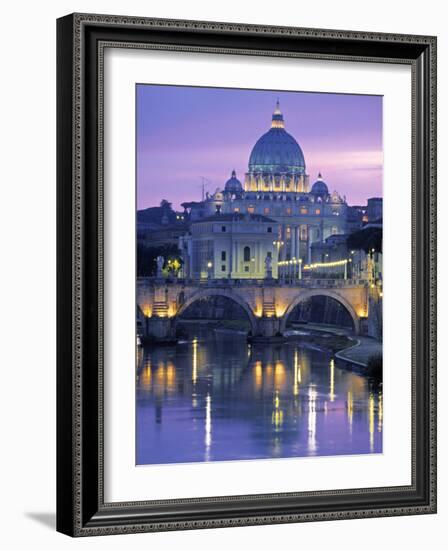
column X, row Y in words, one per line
column 184, row 133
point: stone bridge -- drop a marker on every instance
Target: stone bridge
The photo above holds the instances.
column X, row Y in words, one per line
column 267, row 303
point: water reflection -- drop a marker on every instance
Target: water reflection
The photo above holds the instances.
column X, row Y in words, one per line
column 217, row 398
column 312, row 419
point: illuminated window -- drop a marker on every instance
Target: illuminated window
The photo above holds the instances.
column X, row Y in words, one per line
column 267, row 211
column 250, row 209
column 317, row 211
column 303, row 210
column 288, row 211
column 288, row 232
column 365, row 219
column 334, row 230
column 236, row 209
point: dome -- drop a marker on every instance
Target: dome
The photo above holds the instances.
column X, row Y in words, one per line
column 319, row 187
column 277, row 151
column 233, row 185
column 218, row 196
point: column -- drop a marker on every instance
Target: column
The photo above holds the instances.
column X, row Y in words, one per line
column 230, row 260
column 297, row 232
column 293, row 241
column 234, row 259
column 309, row 242
column 283, row 248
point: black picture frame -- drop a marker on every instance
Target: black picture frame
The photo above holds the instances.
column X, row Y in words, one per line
column 81, row 510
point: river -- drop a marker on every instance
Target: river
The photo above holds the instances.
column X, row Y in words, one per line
column 216, row 397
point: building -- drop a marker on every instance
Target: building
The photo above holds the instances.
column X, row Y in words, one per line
column 277, row 186
column 276, row 216
column 374, row 209
column 332, row 249
column 160, row 225
column 231, row 245
column 164, row 235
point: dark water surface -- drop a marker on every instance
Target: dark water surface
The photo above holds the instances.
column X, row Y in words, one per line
column 219, row 398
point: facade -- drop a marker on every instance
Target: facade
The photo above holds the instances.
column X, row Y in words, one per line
column 230, row 246
column 277, row 186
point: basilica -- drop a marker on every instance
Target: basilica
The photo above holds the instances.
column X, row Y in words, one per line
column 275, row 215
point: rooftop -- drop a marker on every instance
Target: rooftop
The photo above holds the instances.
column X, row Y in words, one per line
column 236, row 217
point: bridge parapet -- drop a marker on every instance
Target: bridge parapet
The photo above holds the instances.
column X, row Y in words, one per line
column 225, row 283
column 267, row 303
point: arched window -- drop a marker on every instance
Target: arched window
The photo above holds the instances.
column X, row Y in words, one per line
column 246, row 254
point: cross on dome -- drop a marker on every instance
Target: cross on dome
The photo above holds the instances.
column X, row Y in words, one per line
column 277, row 117
column 277, row 108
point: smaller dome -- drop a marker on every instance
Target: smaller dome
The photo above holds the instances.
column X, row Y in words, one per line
column 233, row 185
column 218, row 196
column 319, row 187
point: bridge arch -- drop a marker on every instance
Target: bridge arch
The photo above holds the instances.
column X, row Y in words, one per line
column 303, row 296
column 206, row 293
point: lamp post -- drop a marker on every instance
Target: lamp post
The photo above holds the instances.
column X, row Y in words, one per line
column 278, row 244
column 297, row 268
column 294, row 269
column 209, row 269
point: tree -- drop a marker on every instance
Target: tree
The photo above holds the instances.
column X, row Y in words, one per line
column 366, row 239
column 146, row 259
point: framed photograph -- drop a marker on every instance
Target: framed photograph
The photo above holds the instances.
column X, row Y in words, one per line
column 246, row 274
